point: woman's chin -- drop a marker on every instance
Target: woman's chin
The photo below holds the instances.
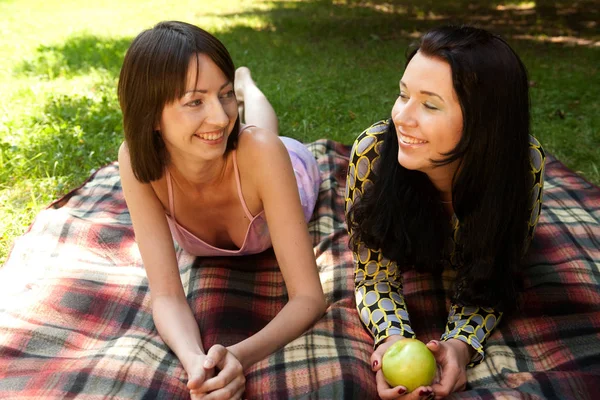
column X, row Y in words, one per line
column 409, row 163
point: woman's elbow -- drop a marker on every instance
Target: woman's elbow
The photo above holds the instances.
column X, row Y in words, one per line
column 314, row 304
column 320, row 305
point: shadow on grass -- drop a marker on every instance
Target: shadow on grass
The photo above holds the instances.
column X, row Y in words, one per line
column 74, row 135
column 356, row 23
column 76, row 56
column 331, row 70
column 572, row 22
column 356, row 51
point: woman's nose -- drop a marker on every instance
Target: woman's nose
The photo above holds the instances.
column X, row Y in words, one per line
column 217, row 114
column 403, row 113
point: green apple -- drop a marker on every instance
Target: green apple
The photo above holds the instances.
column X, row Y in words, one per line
column 408, row 363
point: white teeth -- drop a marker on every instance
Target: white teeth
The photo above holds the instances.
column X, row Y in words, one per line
column 411, row 140
column 210, row 136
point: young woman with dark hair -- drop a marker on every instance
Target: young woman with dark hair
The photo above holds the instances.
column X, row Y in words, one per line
column 453, row 178
column 192, row 172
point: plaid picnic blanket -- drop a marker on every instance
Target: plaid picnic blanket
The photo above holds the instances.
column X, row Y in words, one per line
column 75, row 318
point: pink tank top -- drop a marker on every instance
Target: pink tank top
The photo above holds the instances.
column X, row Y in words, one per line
column 257, row 237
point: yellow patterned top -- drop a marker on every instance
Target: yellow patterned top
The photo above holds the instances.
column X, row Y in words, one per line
column 378, row 283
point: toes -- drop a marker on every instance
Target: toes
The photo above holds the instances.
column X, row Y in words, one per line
column 242, row 73
column 243, row 78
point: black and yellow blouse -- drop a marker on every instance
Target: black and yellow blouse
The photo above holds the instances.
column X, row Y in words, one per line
column 378, row 282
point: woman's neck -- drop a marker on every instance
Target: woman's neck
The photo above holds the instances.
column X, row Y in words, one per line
column 443, row 183
column 199, row 174
column 441, row 178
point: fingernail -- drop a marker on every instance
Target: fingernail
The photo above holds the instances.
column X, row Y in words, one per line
column 425, row 392
column 432, row 342
column 375, row 363
column 401, row 391
column 208, row 363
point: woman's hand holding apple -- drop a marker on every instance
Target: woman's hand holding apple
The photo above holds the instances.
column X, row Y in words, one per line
column 383, row 388
column 452, row 356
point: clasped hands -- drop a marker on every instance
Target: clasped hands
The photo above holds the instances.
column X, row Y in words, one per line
column 229, row 381
column 452, row 357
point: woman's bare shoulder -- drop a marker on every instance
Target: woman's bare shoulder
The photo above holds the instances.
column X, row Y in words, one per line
column 257, row 145
column 159, row 186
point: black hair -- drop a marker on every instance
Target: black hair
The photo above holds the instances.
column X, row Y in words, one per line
column 402, row 212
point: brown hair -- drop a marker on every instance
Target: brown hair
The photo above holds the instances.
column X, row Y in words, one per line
column 154, row 73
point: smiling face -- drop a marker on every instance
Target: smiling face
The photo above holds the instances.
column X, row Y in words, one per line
column 427, row 116
column 198, row 124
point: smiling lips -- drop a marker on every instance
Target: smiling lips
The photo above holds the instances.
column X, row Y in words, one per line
column 411, row 140
column 210, row 135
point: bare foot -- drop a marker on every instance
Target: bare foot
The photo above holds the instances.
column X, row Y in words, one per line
column 243, row 77
column 241, row 112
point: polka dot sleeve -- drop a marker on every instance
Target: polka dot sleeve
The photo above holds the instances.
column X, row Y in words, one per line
column 378, row 284
column 537, row 162
column 473, row 325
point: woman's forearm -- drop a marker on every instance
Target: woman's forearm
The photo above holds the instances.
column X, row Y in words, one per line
column 178, row 328
column 293, row 320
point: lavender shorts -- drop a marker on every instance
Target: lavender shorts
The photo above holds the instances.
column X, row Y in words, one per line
column 307, row 174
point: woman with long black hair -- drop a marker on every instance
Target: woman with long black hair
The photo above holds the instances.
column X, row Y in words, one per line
column 453, row 178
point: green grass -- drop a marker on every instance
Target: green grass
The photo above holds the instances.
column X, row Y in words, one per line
column 330, row 68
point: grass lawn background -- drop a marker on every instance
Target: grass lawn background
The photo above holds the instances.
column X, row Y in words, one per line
column 330, row 69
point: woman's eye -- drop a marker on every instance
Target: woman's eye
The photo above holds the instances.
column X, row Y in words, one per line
column 194, row 103
column 403, row 96
column 430, row 107
column 228, row 95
